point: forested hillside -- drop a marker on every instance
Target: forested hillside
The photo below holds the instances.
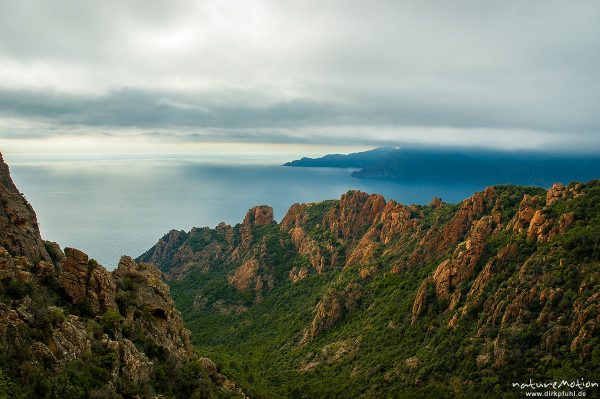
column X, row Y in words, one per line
column 362, row 297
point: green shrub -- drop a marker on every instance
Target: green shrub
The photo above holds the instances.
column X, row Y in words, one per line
column 16, row 289
column 7, row 387
column 111, row 321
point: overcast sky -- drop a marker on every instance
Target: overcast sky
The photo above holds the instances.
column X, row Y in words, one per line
column 504, row 74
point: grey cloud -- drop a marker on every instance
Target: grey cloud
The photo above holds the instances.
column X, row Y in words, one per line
column 137, row 108
column 148, row 109
column 278, row 70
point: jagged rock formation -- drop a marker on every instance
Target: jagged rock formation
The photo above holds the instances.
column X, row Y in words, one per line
column 334, row 306
column 509, row 273
column 354, row 214
column 259, row 216
column 70, row 328
column 177, row 253
column 86, row 283
column 168, row 247
column 20, row 231
column 152, row 299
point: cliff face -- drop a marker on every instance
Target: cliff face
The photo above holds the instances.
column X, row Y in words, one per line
column 18, row 223
column 204, row 249
column 509, row 272
column 70, row 328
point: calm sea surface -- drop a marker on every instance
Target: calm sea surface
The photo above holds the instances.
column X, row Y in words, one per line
column 111, row 208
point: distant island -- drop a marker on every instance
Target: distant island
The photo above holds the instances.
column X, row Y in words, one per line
column 463, row 165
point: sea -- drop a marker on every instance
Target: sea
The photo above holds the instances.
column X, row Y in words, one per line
column 114, row 207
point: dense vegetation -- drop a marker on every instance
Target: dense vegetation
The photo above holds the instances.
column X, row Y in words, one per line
column 46, row 308
column 376, row 349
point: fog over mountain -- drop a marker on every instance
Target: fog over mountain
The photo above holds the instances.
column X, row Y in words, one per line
column 509, row 75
